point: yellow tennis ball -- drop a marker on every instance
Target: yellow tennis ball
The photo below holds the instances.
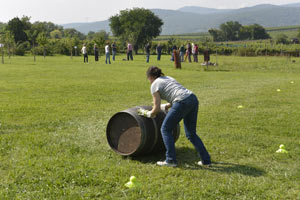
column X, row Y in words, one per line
column 132, row 178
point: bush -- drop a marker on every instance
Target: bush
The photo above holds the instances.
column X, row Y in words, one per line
column 21, row 48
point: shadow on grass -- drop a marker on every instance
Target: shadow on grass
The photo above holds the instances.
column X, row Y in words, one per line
column 187, row 160
column 231, row 168
column 216, row 70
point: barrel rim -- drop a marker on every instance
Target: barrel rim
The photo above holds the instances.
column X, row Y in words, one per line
column 141, row 125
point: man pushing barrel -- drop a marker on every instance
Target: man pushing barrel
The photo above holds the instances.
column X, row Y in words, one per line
column 183, row 104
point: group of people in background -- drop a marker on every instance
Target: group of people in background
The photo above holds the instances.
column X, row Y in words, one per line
column 188, row 52
column 107, row 48
column 191, row 50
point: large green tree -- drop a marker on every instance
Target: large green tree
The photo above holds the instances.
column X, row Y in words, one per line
column 231, row 30
column 245, row 33
column 259, row 32
column 217, row 35
column 17, row 27
column 137, row 26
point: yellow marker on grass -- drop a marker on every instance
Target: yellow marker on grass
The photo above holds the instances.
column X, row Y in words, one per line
column 281, row 149
column 132, row 183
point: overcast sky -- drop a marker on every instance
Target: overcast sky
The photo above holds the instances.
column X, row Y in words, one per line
column 66, row 11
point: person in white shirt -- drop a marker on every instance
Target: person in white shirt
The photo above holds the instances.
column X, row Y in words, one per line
column 107, row 53
column 129, row 51
column 85, row 54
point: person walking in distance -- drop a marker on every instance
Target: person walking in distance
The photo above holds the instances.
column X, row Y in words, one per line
column 174, row 48
column 182, row 104
column 182, row 52
column 96, row 52
column 129, row 51
column 189, row 52
column 107, row 54
column 158, row 51
column 147, row 49
column 195, row 53
column 85, row 54
column 114, row 50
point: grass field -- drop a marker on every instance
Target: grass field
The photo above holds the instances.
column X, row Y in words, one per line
column 54, row 112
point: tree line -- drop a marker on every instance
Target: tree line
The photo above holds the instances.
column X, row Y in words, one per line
column 137, row 26
column 234, row 31
column 19, row 36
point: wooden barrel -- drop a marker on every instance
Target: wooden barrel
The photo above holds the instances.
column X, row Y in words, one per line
column 130, row 134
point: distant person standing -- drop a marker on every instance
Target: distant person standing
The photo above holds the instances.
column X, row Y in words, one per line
column 107, row 53
column 114, row 50
column 158, row 51
column 147, row 49
column 189, row 52
column 96, row 52
column 174, row 48
column 195, row 53
column 206, row 55
column 85, row 54
column 193, row 50
column 181, row 54
column 129, row 51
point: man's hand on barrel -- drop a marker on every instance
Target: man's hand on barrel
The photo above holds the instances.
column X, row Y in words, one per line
column 143, row 112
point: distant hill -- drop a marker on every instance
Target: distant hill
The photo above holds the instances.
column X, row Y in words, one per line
column 87, row 27
column 202, row 10
column 292, row 5
column 189, row 20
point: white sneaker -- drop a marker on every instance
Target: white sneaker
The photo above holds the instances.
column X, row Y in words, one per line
column 200, row 163
column 165, row 163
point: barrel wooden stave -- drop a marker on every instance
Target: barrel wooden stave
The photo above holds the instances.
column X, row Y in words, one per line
column 130, row 134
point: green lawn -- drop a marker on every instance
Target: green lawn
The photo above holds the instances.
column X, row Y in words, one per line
column 54, row 112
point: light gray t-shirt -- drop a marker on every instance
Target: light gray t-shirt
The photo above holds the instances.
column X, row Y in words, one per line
column 169, row 89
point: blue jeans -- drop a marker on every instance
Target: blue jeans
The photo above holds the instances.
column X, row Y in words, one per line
column 129, row 55
column 172, row 58
column 114, row 55
column 158, row 56
column 148, row 57
column 107, row 58
column 187, row 110
column 181, row 55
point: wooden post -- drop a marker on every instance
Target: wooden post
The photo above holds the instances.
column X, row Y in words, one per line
column 2, row 52
column 177, row 59
column 216, row 57
column 266, row 53
column 8, row 51
column 44, row 52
